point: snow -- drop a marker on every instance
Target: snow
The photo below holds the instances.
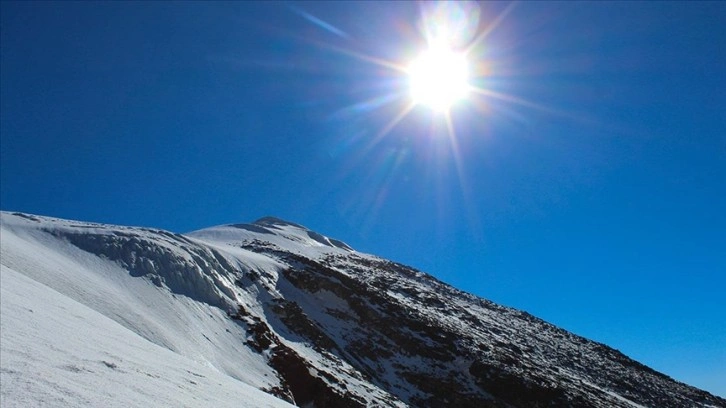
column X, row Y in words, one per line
column 286, row 236
column 187, row 326
column 195, row 330
column 608, row 392
column 57, row 275
column 59, row 352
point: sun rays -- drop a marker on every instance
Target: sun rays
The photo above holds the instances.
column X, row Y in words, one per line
column 440, row 80
column 440, row 77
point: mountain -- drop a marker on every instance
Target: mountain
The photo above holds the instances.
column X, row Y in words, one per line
column 270, row 314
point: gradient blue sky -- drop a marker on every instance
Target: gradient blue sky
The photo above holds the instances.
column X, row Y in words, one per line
column 596, row 199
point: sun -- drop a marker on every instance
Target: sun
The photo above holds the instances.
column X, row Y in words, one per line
column 454, row 67
column 438, row 77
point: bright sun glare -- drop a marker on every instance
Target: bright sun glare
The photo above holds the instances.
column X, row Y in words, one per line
column 438, row 77
column 448, row 71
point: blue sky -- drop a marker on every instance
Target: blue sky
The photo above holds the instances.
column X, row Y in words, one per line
column 590, row 193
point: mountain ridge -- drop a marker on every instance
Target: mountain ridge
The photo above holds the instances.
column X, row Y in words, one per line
column 326, row 325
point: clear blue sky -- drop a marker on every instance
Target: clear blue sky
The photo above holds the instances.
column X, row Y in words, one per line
column 599, row 204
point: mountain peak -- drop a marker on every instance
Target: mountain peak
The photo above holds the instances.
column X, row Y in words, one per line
column 285, row 234
column 270, row 221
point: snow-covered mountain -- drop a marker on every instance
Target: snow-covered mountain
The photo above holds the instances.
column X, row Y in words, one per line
column 271, row 314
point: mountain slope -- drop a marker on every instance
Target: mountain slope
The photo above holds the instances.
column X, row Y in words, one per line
column 58, row 352
column 304, row 317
